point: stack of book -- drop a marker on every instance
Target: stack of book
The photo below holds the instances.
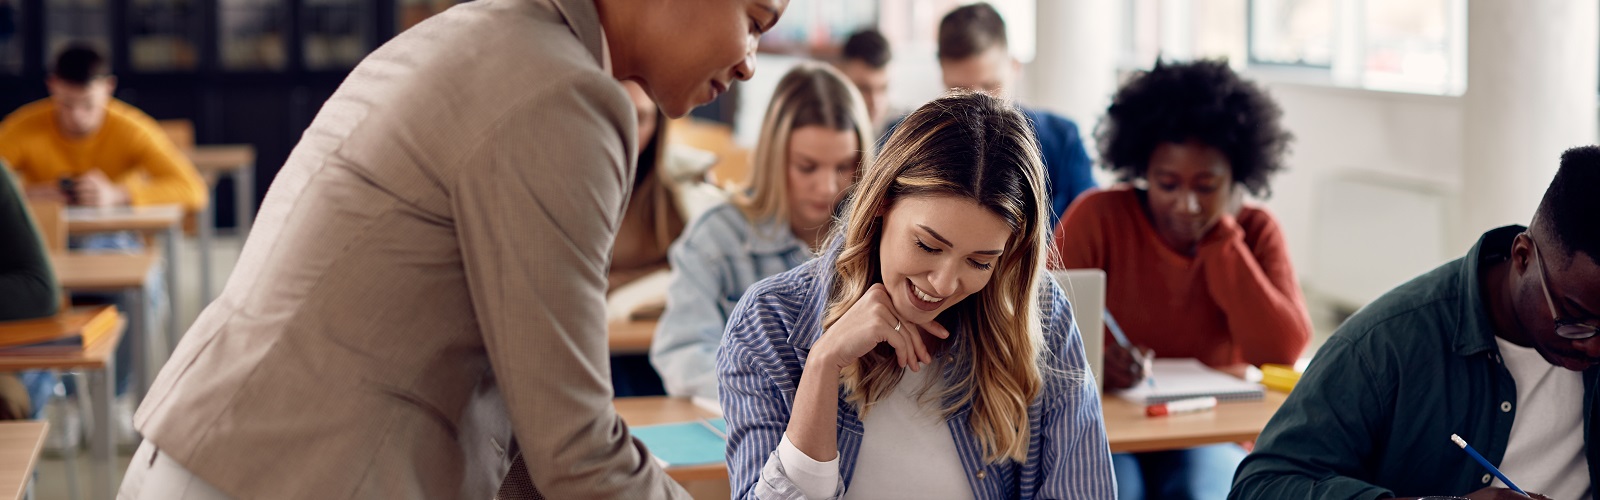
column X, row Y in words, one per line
column 66, row 333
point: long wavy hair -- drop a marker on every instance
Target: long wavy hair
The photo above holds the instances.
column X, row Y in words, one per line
column 811, row 94
column 981, row 148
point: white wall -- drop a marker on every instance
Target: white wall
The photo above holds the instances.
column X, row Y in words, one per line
column 1410, row 144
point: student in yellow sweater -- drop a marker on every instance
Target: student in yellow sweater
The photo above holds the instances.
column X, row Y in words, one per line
column 113, row 153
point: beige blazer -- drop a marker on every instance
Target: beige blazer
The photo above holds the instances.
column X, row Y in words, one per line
column 445, row 223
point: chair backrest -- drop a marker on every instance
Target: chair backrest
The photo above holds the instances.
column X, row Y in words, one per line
column 51, row 218
column 1086, row 290
column 180, row 131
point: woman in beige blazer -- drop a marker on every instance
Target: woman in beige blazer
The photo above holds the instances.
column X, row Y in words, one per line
column 426, row 278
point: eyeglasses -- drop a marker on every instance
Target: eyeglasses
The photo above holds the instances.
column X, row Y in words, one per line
column 1566, row 328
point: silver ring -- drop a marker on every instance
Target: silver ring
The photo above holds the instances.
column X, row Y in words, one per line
column 897, row 326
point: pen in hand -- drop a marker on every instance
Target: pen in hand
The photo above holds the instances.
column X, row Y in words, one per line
column 1485, row 463
column 1141, row 356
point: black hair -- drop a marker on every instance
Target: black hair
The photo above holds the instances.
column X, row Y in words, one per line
column 868, row 46
column 970, row 30
column 79, row 64
column 1203, row 101
column 1570, row 211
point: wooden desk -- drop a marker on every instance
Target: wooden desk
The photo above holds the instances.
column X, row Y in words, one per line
column 126, row 274
column 166, row 220
column 20, row 442
column 102, row 272
column 149, row 219
column 236, row 161
column 631, row 337
column 666, row 410
column 1128, row 430
column 99, row 361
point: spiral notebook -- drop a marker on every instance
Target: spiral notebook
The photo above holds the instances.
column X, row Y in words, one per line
column 1182, row 378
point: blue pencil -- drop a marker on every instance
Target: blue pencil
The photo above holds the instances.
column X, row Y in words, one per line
column 1492, row 470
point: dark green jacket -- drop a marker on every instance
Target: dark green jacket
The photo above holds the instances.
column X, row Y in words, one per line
column 1373, row 415
column 28, row 287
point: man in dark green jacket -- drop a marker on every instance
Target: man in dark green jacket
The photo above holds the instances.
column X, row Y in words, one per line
column 1498, row 347
column 27, row 286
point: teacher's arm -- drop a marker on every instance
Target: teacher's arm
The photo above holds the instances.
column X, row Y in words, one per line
column 536, row 213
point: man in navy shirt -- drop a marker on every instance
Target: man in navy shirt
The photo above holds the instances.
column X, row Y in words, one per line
column 974, row 55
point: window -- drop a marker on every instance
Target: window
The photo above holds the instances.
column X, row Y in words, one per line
column 1400, row 45
column 162, row 34
column 1297, row 32
column 1415, row 45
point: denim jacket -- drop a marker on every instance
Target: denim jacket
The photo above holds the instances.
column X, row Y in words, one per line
column 719, row 255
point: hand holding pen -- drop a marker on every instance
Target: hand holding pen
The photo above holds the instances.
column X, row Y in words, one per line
column 1126, row 364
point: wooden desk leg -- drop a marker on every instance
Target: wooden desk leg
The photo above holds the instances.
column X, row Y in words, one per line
column 207, row 222
column 102, row 451
column 174, row 237
column 244, row 194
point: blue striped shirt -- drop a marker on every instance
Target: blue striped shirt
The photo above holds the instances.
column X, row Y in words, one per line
column 771, row 331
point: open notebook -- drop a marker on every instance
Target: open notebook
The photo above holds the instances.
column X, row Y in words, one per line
column 1182, row 378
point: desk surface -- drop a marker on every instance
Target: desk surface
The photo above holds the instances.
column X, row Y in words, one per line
column 102, row 272
column 226, row 157
column 20, row 442
column 149, row 218
column 631, row 337
column 93, row 358
column 1127, row 429
column 665, row 410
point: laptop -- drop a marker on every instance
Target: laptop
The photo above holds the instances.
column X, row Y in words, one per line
column 1086, row 290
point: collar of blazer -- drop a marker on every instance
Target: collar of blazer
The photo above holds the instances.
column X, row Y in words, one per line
column 584, row 20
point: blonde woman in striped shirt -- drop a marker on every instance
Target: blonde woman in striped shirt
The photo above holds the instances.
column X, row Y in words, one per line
column 925, row 354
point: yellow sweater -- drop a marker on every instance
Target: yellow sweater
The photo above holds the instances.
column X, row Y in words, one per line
column 129, row 148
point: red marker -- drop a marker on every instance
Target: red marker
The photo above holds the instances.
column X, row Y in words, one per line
column 1178, row 406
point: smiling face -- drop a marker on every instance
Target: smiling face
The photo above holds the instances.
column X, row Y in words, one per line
column 1571, row 281
column 700, row 48
column 937, row 250
column 821, row 165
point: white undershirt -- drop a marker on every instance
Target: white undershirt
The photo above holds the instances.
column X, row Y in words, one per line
column 1546, row 452
column 906, row 452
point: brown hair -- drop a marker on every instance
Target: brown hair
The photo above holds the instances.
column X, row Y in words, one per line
column 666, row 222
column 977, row 147
column 970, row 30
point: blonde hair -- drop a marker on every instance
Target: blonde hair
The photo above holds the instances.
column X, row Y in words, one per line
column 811, row 94
column 980, row 148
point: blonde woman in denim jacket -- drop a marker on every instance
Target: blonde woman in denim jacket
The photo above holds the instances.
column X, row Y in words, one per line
column 814, row 140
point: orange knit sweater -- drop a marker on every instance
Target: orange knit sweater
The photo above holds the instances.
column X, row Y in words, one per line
column 1235, row 301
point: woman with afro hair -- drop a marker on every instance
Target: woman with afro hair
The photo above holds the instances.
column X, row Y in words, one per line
column 1192, row 270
